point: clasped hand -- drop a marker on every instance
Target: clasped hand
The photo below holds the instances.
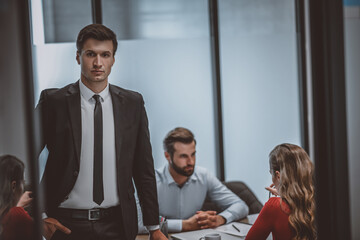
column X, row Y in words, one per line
column 209, row 219
column 202, row 220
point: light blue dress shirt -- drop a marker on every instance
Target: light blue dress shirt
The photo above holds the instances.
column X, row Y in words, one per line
column 177, row 203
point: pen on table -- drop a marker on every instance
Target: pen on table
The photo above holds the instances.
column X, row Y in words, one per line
column 235, row 227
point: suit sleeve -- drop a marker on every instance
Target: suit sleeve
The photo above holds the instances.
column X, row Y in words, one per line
column 144, row 174
column 41, row 120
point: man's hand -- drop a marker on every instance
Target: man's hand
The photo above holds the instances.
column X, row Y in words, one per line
column 50, row 225
column 190, row 224
column 273, row 190
column 209, row 219
column 24, row 200
column 157, row 235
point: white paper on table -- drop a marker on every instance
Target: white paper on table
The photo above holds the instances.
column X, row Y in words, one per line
column 229, row 229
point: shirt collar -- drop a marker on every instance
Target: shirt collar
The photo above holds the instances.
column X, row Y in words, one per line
column 170, row 180
column 88, row 94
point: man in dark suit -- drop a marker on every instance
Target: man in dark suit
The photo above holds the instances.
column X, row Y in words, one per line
column 98, row 142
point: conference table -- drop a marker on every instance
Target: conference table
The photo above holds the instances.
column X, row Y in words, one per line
column 248, row 220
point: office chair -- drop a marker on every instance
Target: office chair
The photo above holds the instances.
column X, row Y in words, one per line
column 241, row 190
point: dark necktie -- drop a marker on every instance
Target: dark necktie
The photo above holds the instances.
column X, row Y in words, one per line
column 98, row 189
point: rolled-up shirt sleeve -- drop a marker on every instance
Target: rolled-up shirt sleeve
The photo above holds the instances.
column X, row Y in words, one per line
column 174, row 225
column 233, row 207
column 152, row 228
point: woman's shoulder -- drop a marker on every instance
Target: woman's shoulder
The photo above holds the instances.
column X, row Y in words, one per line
column 277, row 203
column 273, row 201
column 17, row 213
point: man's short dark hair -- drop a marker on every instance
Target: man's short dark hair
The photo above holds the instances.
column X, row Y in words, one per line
column 178, row 134
column 98, row 32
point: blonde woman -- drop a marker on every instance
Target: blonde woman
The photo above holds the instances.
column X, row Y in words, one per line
column 292, row 214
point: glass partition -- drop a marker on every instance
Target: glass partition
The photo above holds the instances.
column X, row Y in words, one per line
column 260, row 88
column 64, row 18
column 352, row 73
column 157, row 19
column 167, row 59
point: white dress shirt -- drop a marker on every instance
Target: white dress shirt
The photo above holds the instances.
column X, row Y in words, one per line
column 81, row 196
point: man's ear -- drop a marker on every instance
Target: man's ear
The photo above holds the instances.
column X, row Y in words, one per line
column 167, row 156
column 78, row 57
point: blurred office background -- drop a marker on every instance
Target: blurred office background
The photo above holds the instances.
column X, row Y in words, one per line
column 165, row 53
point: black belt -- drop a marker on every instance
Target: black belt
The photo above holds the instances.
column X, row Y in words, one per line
column 94, row 214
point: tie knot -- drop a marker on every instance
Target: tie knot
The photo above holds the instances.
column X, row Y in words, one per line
column 97, row 98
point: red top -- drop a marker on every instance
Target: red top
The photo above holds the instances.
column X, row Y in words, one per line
column 17, row 225
column 272, row 218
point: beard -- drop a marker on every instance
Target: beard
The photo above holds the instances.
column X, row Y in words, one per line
column 183, row 171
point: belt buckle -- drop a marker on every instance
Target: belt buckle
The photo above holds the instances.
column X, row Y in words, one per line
column 93, row 214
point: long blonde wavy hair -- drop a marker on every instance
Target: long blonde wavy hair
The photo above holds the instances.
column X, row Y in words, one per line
column 296, row 187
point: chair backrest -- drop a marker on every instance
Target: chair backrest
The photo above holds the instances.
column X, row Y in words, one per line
column 241, row 190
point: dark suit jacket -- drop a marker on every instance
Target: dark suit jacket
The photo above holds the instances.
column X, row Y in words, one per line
column 61, row 126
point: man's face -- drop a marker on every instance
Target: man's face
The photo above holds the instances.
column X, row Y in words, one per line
column 96, row 59
column 183, row 161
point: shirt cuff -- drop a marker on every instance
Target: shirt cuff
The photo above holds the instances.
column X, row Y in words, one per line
column 44, row 215
column 152, row 227
column 174, row 225
column 228, row 216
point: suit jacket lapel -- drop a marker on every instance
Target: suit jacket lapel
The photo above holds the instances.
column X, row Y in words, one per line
column 74, row 106
column 119, row 110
